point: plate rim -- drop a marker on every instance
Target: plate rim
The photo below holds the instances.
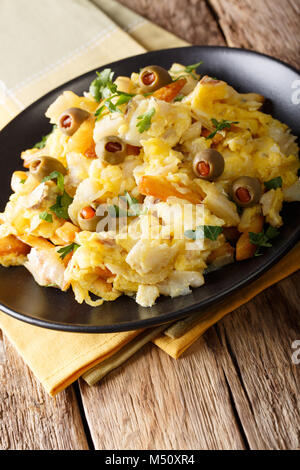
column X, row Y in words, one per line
column 184, row 311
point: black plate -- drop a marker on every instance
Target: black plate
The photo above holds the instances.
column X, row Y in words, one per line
column 22, row 298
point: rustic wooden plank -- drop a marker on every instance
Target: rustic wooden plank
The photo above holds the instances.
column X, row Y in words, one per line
column 268, row 26
column 235, row 388
column 234, row 370
column 258, row 337
column 29, row 418
column 190, row 20
column 155, row 402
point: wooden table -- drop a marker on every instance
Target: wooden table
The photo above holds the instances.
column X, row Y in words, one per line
column 237, row 387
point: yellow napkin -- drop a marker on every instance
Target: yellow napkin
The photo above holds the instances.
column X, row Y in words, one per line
column 79, row 36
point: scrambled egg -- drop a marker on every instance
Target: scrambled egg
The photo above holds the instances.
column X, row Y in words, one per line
column 147, row 224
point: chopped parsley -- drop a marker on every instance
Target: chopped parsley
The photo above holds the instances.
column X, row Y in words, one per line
column 219, row 126
column 60, row 208
column 59, row 179
column 22, row 181
column 116, row 211
column 274, row 183
column 132, row 207
column 188, row 69
column 103, row 88
column 65, row 250
column 46, row 216
column 145, row 120
column 263, row 239
column 178, row 98
column 204, row 231
column 113, row 107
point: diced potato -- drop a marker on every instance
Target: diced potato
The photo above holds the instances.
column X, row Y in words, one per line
column 82, row 140
column 244, row 248
column 250, row 219
column 219, row 204
column 125, row 85
column 169, row 92
column 146, row 295
column 11, row 244
column 222, row 255
column 293, row 192
column 271, row 205
column 69, row 100
column 162, row 189
column 67, row 232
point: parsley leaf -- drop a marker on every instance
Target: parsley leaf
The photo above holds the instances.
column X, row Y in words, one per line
column 65, row 250
column 102, row 87
column 262, row 239
column 60, row 208
column 178, row 98
column 190, row 68
column 132, row 207
column 220, row 125
column 204, row 231
column 145, row 120
column 274, row 183
column 113, row 107
column 116, row 211
column 59, row 177
column 133, row 204
column 46, row 216
column 99, row 112
column 124, row 97
column 272, row 232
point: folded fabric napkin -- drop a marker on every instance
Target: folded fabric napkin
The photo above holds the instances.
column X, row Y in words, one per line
column 79, row 36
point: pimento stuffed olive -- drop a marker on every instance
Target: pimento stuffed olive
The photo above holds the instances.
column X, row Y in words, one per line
column 246, row 191
column 208, row 164
column 153, row 77
column 71, row 119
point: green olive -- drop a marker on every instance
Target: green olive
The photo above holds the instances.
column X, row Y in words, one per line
column 153, row 77
column 246, row 191
column 208, row 164
column 70, row 120
column 43, row 166
column 111, row 150
column 88, row 224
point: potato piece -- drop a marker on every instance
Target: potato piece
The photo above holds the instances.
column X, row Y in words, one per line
column 250, row 219
column 67, row 232
column 293, row 192
column 219, row 205
column 271, row 202
column 169, row 92
column 11, row 245
column 36, row 242
column 160, row 188
column 125, row 85
column 224, row 251
column 82, row 140
column 244, row 248
column 220, row 257
column 66, row 100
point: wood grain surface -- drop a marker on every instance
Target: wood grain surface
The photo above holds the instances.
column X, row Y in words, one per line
column 235, row 388
column 29, row 418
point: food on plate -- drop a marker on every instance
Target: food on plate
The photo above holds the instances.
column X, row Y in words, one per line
column 146, row 184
